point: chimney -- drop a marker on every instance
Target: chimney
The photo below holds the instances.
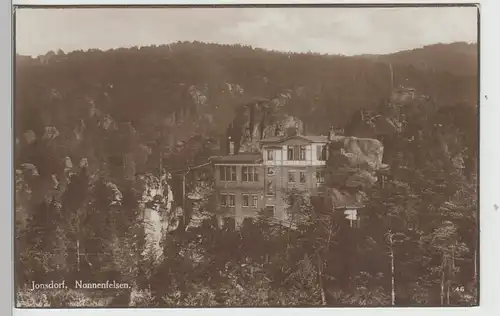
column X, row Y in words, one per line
column 231, row 147
column 331, row 133
column 297, row 128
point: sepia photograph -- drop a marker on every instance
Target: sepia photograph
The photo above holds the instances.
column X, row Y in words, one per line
column 246, row 156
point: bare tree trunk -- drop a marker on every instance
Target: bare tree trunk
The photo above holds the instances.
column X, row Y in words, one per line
column 294, row 210
column 320, row 280
column 184, row 199
column 78, row 254
column 451, row 272
column 161, row 172
column 329, row 238
column 448, row 294
column 442, row 287
column 393, row 280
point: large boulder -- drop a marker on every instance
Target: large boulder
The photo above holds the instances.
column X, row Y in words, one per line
column 353, row 163
column 364, row 153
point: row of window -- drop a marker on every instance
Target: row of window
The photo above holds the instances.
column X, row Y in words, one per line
column 295, row 152
column 227, row 199
column 320, row 177
column 321, row 152
column 227, row 173
column 291, row 177
column 249, row 200
column 248, row 174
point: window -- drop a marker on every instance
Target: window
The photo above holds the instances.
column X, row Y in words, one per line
column 269, row 188
column 231, row 199
column 383, row 180
column 270, row 171
column 246, row 200
column 270, row 154
column 291, row 177
column 227, row 173
column 269, row 211
column 244, row 174
column 222, row 173
column 302, row 152
column 320, row 176
column 296, row 153
column 302, row 177
column 290, row 153
column 249, row 174
column 255, row 200
column 233, row 173
column 321, row 152
column 223, row 199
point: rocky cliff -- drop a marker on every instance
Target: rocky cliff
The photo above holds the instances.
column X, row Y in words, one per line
column 351, row 169
column 158, row 216
column 262, row 118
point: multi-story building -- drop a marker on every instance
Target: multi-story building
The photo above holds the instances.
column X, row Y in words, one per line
column 249, row 183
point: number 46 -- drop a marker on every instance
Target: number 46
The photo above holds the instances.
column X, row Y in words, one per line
column 459, row 289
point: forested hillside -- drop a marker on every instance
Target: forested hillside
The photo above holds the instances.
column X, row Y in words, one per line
column 156, row 81
column 92, row 129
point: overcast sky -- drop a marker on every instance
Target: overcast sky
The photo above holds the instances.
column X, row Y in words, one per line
column 347, row 31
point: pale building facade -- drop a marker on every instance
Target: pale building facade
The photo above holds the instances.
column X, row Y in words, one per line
column 251, row 183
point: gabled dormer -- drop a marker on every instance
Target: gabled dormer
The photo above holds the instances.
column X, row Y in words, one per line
column 298, row 150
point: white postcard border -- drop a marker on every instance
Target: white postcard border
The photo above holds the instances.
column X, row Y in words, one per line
column 489, row 172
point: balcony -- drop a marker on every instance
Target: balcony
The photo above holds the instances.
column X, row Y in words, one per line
column 294, row 163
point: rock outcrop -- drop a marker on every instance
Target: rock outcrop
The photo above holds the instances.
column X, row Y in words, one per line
column 199, row 198
column 262, row 118
column 159, row 216
column 352, row 168
column 357, row 152
column 280, row 126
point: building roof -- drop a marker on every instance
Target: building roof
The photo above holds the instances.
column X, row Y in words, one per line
column 316, row 138
column 238, row 158
column 311, row 138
